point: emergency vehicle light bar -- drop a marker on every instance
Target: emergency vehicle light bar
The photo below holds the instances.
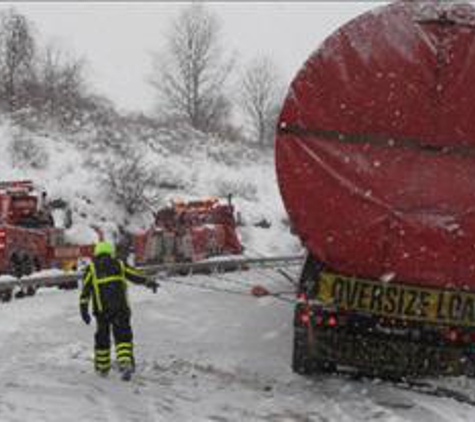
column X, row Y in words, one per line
column 17, row 185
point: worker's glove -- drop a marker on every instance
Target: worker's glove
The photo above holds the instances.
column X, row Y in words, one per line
column 152, row 285
column 85, row 315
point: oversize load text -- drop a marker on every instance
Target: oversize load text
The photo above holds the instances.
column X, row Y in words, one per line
column 397, row 300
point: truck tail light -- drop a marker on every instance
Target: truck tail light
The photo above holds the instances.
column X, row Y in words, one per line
column 305, row 317
column 332, row 321
column 452, row 334
column 2, row 239
column 325, row 319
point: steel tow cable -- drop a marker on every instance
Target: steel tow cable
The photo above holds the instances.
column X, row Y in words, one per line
column 176, row 281
column 280, row 271
column 220, row 276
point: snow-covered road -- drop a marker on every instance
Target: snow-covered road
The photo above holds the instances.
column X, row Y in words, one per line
column 202, row 356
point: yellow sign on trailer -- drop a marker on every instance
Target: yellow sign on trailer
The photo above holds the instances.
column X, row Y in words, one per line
column 395, row 300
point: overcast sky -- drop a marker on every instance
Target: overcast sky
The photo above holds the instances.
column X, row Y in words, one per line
column 117, row 38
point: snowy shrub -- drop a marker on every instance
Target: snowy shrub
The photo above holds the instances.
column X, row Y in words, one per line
column 131, row 183
column 27, row 118
column 224, row 153
column 244, row 189
column 24, row 152
column 168, row 178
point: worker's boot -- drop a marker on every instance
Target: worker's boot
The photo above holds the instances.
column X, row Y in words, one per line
column 126, row 369
column 125, row 359
column 102, row 374
column 102, row 362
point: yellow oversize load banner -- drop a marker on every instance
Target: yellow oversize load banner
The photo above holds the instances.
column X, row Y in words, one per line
column 397, row 300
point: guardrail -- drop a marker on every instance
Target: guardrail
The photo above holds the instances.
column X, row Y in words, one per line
column 208, row 266
column 216, row 265
column 38, row 281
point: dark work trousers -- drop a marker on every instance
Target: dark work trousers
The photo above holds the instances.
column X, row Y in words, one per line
column 119, row 323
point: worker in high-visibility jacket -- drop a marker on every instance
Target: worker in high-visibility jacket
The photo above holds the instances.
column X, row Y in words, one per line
column 105, row 282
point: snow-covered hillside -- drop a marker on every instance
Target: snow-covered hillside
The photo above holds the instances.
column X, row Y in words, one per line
column 202, row 357
column 186, row 165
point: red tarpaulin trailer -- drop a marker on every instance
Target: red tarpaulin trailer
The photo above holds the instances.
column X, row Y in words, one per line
column 375, row 152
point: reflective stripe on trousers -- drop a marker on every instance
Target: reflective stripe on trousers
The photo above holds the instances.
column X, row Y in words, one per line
column 102, row 360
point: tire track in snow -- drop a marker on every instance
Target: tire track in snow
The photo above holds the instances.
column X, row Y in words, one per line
column 108, row 409
column 155, row 415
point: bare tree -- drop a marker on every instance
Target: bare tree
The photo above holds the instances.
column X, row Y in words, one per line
column 190, row 74
column 131, row 184
column 260, row 95
column 17, row 51
column 61, row 83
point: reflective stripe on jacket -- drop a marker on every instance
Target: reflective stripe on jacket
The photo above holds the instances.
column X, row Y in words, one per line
column 105, row 281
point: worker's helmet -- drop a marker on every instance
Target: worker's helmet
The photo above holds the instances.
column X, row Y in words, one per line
column 104, row 248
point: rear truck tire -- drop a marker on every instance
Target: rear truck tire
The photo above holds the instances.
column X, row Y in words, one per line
column 15, row 266
column 6, row 295
column 31, row 290
column 28, row 268
column 21, row 265
column 20, row 294
column 469, row 367
column 305, row 360
column 36, row 266
column 302, row 363
column 15, row 270
column 27, row 265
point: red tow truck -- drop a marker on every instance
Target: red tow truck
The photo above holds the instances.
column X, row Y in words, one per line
column 29, row 241
column 189, row 232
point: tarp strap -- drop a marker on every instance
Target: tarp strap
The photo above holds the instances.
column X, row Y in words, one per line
column 376, row 140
